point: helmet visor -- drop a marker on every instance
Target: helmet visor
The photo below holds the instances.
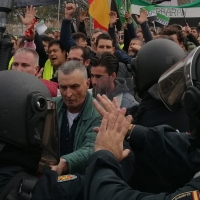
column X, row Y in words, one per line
column 173, row 83
column 50, row 139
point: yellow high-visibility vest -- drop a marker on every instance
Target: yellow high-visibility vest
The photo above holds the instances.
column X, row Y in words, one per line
column 48, row 70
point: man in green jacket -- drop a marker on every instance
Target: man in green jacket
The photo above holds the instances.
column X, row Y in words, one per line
column 77, row 118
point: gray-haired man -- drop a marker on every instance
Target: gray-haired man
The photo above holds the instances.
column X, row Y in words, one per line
column 77, row 117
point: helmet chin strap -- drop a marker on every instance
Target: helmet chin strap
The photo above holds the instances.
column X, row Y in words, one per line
column 2, row 146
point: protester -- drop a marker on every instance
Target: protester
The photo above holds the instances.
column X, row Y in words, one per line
column 104, row 69
column 77, row 118
column 27, row 60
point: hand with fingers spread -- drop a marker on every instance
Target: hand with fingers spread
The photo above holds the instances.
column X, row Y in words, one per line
column 29, row 15
column 107, row 105
column 143, row 16
column 112, row 132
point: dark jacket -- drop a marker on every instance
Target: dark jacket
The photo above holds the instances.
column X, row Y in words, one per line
column 146, row 32
column 152, row 112
column 165, row 160
column 48, row 188
column 104, row 180
column 66, row 35
column 43, row 57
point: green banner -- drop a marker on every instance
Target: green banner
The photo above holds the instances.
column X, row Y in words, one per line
column 162, row 19
column 195, row 3
column 121, row 9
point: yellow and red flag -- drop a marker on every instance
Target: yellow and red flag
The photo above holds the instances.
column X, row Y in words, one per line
column 99, row 11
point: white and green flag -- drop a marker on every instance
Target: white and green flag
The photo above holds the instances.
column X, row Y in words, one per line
column 162, row 19
column 191, row 10
column 151, row 12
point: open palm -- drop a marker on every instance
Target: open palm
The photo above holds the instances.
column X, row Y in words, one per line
column 29, row 16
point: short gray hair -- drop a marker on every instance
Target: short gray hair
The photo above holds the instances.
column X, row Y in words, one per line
column 29, row 50
column 70, row 66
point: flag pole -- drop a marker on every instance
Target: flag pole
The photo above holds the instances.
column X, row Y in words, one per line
column 125, row 4
column 58, row 14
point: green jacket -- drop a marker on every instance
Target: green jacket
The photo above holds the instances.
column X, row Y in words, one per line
column 84, row 138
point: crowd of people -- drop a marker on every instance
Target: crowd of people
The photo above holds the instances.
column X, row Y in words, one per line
column 90, row 117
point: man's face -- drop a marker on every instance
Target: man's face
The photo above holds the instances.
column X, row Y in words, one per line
column 96, row 73
column 194, row 33
column 25, row 62
column 140, row 36
column 132, row 44
column 46, row 46
column 56, row 34
column 56, row 56
column 82, row 42
column 76, row 54
column 105, row 46
column 121, row 37
column 93, row 40
column 73, row 89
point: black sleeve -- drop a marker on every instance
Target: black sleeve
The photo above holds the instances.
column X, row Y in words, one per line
column 72, row 28
column 128, row 164
column 66, row 35
column 171, row 151
column 40, row 50
column 127, row 40
column 104, row 180
column 192, row 39
column 146, row 32
column 111, row 32
column 131, row 31
column 48, row 187
column 81, row 28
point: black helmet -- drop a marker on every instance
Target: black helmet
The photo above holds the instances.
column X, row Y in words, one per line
column 153, row 59
column 23, row 110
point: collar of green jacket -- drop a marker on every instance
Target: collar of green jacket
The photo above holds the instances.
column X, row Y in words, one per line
column 85, row 115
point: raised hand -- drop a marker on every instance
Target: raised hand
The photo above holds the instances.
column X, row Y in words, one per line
column 83, row 15
column 70, row 9
column 113, row 18
column 112, row 132
column 128, row 17
column 29, row 15
column 143, row 16
column 108, row 106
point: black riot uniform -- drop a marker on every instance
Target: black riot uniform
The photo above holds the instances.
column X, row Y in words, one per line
column 28, row 135
column 171, row 159
column 104, row 180
column 152, row 61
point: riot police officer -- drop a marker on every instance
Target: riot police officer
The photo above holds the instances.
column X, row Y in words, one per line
column 28, row 135
column 153, row 59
